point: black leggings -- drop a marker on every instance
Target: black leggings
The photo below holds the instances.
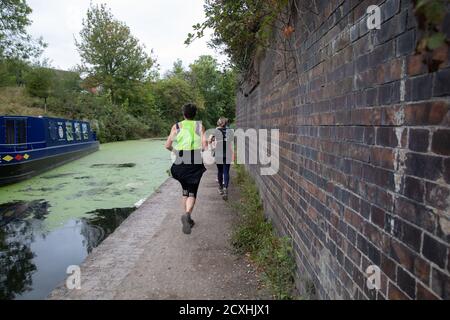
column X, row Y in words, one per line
column 190, row 190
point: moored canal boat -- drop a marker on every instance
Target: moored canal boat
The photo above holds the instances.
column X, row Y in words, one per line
column 32, row 145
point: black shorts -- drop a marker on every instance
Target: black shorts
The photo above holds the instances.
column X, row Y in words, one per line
column 190, row 190
column 189, row 176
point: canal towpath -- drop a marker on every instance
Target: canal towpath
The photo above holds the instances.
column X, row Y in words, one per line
column 148, row 257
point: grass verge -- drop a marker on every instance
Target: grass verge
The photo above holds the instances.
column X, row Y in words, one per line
column 255, row 236
column 15, row 101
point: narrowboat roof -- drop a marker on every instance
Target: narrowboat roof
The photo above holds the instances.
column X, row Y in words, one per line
column 40, row 117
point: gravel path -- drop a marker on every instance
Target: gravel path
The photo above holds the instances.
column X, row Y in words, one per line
column 148, row 257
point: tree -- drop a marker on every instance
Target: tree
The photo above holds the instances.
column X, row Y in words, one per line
column 65, row 92
column 111, row 54
column 216, row 86
column 177, row 71
column 227, row 94
column 171, row 94
column 15, row 42
column 6, row 74
column 39, row 83
column 12, row 72
column 204, row 76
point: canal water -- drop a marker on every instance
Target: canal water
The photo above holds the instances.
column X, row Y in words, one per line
column 54, row 220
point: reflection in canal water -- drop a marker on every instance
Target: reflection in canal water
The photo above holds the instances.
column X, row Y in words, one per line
column 16, row 236
column 39, row 239
column 23, row 244
column 101, row 224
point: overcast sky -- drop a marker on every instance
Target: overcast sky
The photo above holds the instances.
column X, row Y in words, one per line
column 161, row 25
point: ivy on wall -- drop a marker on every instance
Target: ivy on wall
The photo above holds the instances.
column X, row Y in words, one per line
column 430, row 15
column 241, row 27
column 245, row 29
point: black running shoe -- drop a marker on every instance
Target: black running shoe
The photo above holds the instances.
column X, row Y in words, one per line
column 186, row 224
column 191, row 222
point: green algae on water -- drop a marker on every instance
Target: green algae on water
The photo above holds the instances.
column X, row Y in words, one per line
column 117, row 176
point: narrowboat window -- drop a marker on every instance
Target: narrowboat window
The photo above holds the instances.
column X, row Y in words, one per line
column 69, row 131
column 16, row 131
column 10, row 132
column 84, row 126
column 21, row 129
column 77, row 131
column 53, row 130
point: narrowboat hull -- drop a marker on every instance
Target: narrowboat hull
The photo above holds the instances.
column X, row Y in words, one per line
column 19, row 166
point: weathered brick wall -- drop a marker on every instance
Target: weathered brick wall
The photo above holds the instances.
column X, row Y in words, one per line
column 364, row 152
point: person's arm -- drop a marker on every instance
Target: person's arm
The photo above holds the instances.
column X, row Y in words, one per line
column 233, row 154
column 169, row 143
column 204, row 139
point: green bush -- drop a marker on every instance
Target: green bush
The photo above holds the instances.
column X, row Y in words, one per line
column 117, row 125
column 256, row 236
column 12, row 72
column 39, row 82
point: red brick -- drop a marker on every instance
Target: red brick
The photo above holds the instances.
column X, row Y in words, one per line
column 392, row 115
column 414, row 189
column 387, row 137
column 378, row 217
column 395, row 293
column 428, row 113
column 383, row 157
column 447, row 170
column 440, row 283
column 443, row 231
column 422, row 270
column 441, row 142
column 442, row 83
column 416, row 65
column 419, row 140
column 415, row 213
column 402, row 254
column 423, row 166
column 425, row 294
column 438, row 196
column 435, row 251
column 406, row 282
column 389, row 267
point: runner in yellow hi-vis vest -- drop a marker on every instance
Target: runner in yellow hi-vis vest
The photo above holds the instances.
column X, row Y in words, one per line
column 187, row 140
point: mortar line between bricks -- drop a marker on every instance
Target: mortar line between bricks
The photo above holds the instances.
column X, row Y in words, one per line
column 432, row 264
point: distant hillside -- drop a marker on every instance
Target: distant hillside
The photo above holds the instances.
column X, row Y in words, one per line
column 15, row 101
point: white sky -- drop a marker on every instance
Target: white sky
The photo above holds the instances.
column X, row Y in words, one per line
column 161, row 25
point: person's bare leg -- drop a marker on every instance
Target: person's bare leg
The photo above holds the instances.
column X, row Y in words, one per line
column 190, row 203
column 186, row 219
column 184, row 202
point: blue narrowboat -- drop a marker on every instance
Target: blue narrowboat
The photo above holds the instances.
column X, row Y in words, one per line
column 32, row 145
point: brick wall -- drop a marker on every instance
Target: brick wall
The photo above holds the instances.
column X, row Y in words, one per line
column 364, row 152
